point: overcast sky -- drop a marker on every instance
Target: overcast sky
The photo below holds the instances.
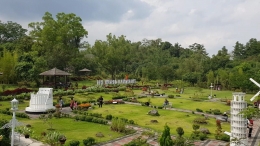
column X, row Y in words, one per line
column 213, row 23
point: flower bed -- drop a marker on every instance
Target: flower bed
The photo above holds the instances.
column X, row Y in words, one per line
column 16, row 91
column 84, row 106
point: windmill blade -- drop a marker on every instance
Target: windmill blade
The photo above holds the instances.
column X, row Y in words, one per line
column 253, row 98
column 252, row 80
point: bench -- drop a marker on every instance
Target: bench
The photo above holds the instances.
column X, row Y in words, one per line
column 168, row 106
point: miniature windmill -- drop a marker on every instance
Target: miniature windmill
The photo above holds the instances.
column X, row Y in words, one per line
column 257, row 84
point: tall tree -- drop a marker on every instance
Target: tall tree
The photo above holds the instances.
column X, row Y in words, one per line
column 10, row 34
column 113, row 54
column 239, row 51
column 58, row 40
column 220, row 60
column 7, row 66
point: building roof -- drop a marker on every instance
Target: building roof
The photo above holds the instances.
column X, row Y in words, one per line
column 54, row 72
column 85, row 69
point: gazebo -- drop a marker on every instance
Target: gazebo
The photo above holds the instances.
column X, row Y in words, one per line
column 85, row 70
column 55, row 73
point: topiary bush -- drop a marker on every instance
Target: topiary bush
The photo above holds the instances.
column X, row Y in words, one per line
column 200, row 121
column 199, row 110
column 109, row 117
column 170, row 96
column 89, row 141
column 74, row 143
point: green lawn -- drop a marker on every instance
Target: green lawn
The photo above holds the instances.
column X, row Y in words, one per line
column 173, row 118
column 74, row 130
column 81, row 130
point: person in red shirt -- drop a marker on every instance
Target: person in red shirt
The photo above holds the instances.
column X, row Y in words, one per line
column 71, row 103
column 250, row 123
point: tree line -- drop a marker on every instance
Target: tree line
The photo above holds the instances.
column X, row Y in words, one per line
column 58, row 42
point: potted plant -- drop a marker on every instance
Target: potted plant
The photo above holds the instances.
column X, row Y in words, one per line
column 52, row 138
column 25, row 131
column 62, row 139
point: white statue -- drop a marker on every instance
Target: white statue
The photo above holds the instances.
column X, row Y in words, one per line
column 41, row 101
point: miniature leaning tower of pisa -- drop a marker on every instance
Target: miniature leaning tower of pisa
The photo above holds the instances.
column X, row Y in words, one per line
column 238, row 136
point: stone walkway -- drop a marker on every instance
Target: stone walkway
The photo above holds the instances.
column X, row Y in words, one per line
column 254, row 141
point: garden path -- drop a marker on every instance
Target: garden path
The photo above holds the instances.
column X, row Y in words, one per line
column 254, row 141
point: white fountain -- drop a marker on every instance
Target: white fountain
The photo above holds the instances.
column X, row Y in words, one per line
column 41, row 101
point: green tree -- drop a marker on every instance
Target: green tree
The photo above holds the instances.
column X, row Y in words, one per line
column 166, row 139
column 239, row 51
column 113, row 54
column 7, row 65
column 210, row 77
column 10, row 34
column 29, row 66
column 58, row 40
column 221, row 60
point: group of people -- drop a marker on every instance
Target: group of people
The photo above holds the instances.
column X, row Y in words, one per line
column 73, row 104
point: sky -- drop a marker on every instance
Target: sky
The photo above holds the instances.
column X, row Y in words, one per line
column 213, row 23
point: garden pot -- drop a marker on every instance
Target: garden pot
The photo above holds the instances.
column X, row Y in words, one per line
column 27, row 136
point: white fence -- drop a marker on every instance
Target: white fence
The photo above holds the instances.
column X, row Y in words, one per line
column 112, row 82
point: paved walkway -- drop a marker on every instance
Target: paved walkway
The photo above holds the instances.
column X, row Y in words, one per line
column 254, row 141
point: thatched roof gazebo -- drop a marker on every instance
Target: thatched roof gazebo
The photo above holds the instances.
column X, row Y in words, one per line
column 55, row 72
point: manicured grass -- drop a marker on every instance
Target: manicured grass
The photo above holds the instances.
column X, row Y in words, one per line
column 7, row 104
column 81, row 130
column 183, row 103
column 173, row 119
column 74, row 130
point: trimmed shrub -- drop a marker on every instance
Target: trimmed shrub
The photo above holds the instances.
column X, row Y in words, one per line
column 224, row 137
column 74, row 143
column 200, row 121
column 199, row 110
column 216, row 112
column 109, row 117
column 89, row 141
column 171, row 96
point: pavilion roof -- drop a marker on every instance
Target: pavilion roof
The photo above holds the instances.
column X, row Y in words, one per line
column 54, row 72
column 85, row 69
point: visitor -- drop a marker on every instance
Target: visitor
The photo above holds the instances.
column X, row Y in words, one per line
column 166, row 102
column 75, row 105
column 250, row 127
column 225, row 116
column 61, row 103
column 71, row 103
column 100, row 101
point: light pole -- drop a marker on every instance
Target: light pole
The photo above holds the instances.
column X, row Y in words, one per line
column 14, row 107
column 211, row 86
